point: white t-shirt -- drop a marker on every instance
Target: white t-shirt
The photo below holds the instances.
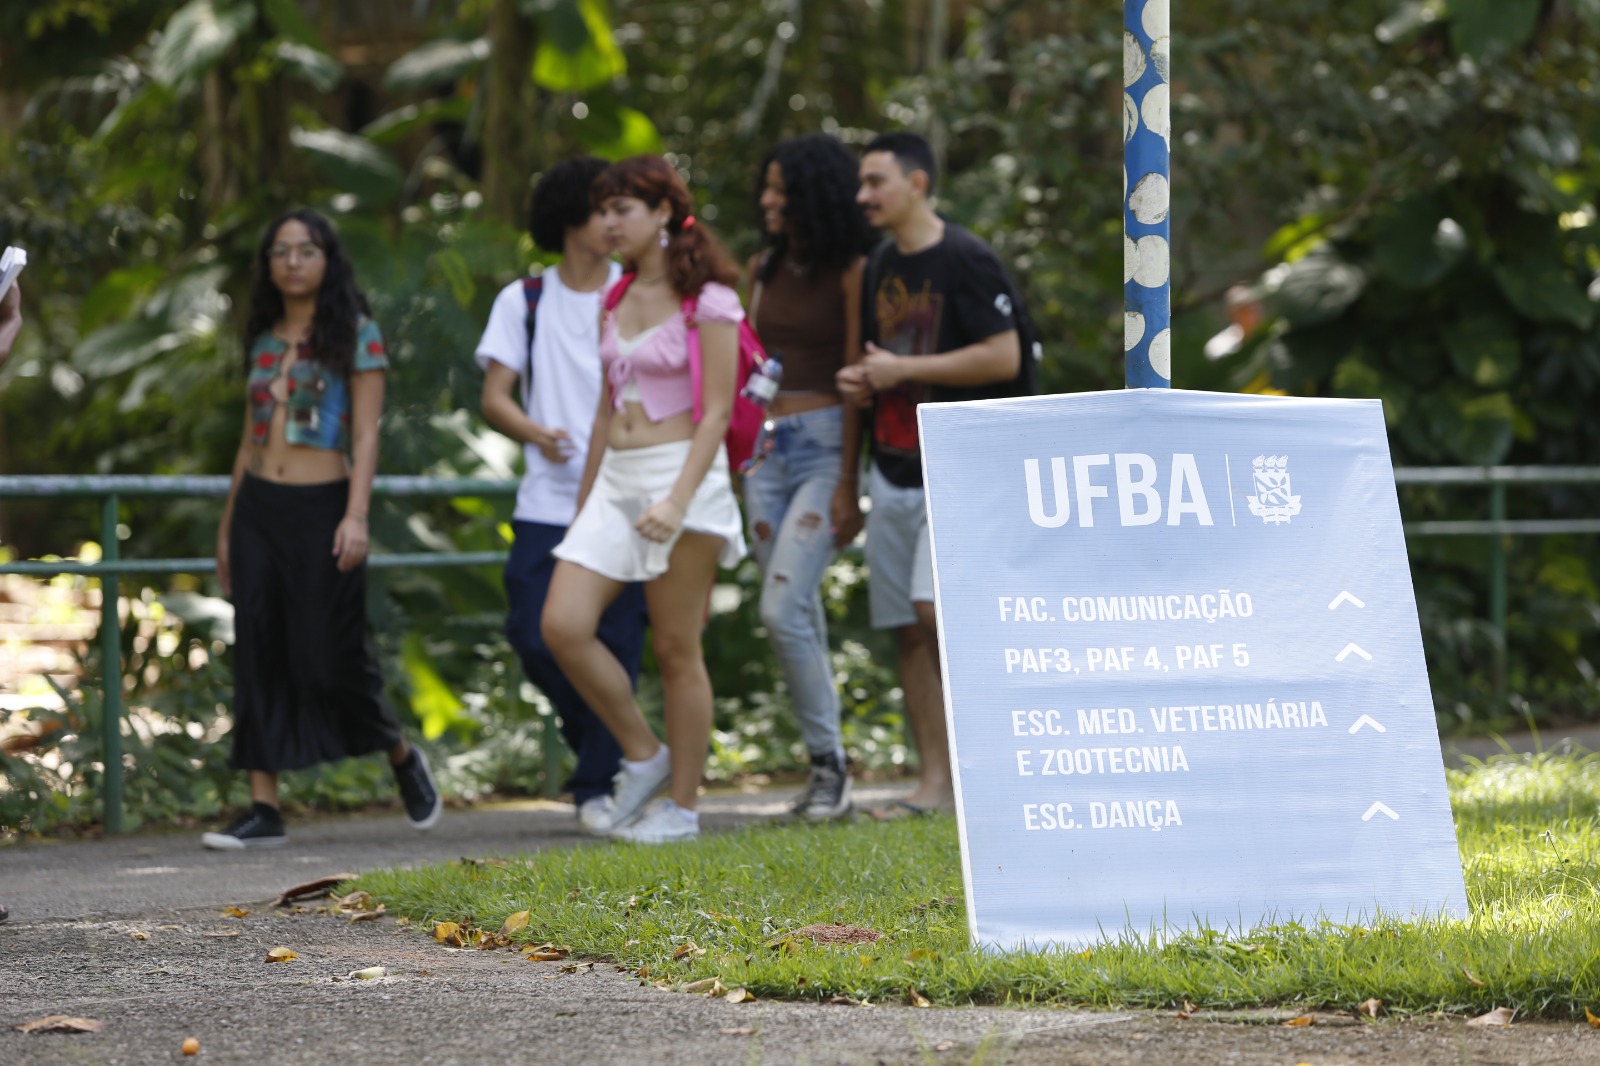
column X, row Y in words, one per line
column 566, row 383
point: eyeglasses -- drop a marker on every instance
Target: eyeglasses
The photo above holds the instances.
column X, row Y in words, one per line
column 764, row 446
column 305, row 253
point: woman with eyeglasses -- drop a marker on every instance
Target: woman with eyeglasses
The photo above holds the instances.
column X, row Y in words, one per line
column 802, row 496
column 292, row 547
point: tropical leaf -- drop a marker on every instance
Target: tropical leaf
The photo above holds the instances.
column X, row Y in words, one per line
column 1491, row 27
column 435, row 705
column 436, row 63
column 196, row 38
column 286, row 19
column 628, row 133
column 1315, row 288
column 396, row 125
column 1484, row 348
column 352, row 163
column 317, row 69
column 1542, row 288
column 592, row 64
column 1416, row 245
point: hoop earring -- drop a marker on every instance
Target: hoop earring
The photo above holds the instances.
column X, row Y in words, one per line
column 664, row 238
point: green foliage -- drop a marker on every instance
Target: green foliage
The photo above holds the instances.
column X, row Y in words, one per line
column 1446, row 266
column 1526, row 825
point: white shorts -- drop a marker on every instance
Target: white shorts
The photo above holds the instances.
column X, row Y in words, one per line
column 602, row 537
column 899, row 556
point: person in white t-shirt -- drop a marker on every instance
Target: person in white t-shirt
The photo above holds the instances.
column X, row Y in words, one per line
column 540, row 354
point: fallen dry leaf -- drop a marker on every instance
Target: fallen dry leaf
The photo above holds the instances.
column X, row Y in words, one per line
column 1593, row 1021
column 944, row 1045
column 60, row 1023
column 1301, row 1022
column 139, row 936
column 514, row 923
column 281, row 955
column 578, row 967
column 739, row 995
column 235, row 912
column 191, row 1046
column 572, row 896
column 689, row 950
column 709, row 985
column 1471, row 980
column 1498, row 1018
column 371, row 973
column 552, row 953
column 311, row 889
column 1369, row 1007
column 845, row 1001
column 743, row 1030
column 1187, row 1010
column 922, row 955
column 367, row 916
column 917, row 999
column 222, row 936
column 448, row 933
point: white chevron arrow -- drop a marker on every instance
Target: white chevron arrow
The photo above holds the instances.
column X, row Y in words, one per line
column 1379, row 808
column 1352, row 649
column 1344, row 597
column 1367, row 719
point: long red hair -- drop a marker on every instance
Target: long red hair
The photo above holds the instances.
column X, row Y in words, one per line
column 694, row 255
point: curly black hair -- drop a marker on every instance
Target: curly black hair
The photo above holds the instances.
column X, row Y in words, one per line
column 561, row 201
column 820, row 179
column 340, row 303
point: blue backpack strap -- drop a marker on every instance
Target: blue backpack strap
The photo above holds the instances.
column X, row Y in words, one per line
column 532, row 289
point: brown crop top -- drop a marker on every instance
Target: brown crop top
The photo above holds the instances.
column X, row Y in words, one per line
column 800, row 317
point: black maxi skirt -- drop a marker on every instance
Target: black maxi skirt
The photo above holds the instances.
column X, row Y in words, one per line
column 306, row 684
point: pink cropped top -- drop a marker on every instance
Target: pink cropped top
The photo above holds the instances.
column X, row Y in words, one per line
column 658, row 368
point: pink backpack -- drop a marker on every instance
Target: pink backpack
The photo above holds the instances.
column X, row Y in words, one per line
column 744, row 424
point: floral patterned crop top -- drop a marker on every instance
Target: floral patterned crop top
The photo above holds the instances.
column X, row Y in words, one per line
column 318, row 396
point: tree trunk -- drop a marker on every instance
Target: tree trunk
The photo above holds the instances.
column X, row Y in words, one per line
column 509, row 113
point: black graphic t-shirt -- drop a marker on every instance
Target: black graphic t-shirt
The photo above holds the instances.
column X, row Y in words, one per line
column 942, row 298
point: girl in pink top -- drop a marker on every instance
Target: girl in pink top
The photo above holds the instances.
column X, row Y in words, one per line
column 656, row 503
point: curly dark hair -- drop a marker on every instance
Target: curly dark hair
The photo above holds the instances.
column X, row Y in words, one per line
column 561, row 201
column 820, row 179
column 340, row 303
column 694, row 255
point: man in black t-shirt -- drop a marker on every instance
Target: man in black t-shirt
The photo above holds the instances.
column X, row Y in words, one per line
column 938, row 324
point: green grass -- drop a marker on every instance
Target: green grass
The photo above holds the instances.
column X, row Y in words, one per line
column 1530, row 842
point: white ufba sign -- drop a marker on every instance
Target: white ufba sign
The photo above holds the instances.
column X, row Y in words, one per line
column 1184, row 678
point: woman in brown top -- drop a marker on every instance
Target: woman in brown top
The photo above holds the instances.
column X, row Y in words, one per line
column 801, row 497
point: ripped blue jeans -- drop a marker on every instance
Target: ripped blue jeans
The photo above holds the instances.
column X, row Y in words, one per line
column 787, row 502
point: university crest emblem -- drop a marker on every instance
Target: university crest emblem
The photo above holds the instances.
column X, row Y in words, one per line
column 1273, row 502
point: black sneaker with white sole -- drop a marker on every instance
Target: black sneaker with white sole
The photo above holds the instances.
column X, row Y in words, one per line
column 417, row 790
column 259, row 827
column 827, row 793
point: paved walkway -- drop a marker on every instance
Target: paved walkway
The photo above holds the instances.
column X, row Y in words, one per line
column 128, row 931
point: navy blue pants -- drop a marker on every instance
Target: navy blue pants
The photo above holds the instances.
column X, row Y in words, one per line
column 527, row 579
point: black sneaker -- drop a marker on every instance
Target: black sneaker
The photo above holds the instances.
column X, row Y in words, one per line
column 827, row 793
column 4, row 914
column 417, row 790
column 259, row 827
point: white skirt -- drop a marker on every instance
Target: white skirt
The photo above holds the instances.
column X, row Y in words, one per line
column 602, row 538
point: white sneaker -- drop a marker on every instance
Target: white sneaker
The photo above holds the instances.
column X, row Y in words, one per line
column 663, row 822
column 631, row 791
column 597, row 814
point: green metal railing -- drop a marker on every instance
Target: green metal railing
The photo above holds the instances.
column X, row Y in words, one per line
column 112, row 490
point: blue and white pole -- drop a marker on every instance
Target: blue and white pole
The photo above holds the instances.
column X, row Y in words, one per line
column 1146, row 191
